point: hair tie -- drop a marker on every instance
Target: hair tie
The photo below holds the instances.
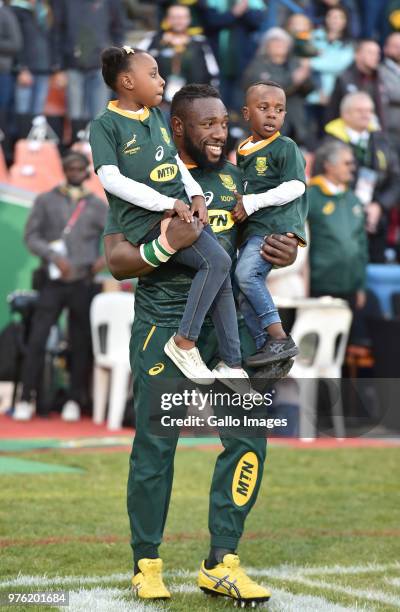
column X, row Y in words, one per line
column 128, row 49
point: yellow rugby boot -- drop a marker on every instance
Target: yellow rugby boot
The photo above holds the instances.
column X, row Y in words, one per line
column 228, row 579
column 148, row 582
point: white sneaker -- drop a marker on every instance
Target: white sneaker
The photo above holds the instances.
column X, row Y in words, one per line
column 236, row 379
column 189, row 362
column 23, row 411
column 71, row 412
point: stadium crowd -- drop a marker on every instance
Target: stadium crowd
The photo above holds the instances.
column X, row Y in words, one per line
column 338, row 62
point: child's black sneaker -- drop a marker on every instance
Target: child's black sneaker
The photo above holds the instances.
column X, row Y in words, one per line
column 272, row 351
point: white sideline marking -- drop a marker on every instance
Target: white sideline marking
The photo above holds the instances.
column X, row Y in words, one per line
column 378, row 596
column 286, row 601
column 284, row 571
column 106, row 600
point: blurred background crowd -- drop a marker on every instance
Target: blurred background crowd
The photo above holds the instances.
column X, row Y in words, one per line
column 337, row 60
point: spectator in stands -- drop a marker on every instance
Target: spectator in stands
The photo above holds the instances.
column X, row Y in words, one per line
column 10, row 45
column 196, row 8
column 376, row 179
column 181, row 57
column 143, row 14
column 338, row 253
column 361, row 75
column 230, row 26
column 34, row 61
column 317, row 10
column 275, row 62
column 372, row 14
column 82, row 31
column 300, row 27
column 390, row 77
column 335, row 54
column 64, row 229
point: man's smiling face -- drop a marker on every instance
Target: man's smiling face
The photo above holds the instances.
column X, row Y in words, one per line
column 206, row 132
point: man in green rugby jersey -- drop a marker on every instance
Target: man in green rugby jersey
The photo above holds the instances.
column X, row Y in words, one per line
column 200, row 126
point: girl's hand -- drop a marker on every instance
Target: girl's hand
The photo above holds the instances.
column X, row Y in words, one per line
column 183, row 211
column 199, row 208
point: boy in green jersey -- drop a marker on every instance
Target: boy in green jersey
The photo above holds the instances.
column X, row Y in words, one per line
column 274, row 179
column 143, row 177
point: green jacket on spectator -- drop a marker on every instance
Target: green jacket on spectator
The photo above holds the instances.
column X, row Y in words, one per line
column 338, row 243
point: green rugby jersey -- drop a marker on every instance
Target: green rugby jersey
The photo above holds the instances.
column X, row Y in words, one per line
column 162, row 295
column 143, row 150
column 266, row 165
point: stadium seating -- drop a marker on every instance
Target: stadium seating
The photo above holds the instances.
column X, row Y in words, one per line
column 37, row 166
column 111, row 317
column 321, row 331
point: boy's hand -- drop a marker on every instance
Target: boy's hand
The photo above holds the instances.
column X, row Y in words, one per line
column 183, row 211
column 199, row 208
column 238, row 213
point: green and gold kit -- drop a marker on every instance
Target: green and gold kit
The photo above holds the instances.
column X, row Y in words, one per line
column 266, row 165
column 162, row 295
column 142, row 148
column 159, row 303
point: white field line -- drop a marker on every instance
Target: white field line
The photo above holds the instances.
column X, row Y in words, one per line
column 115, row 600
column 106, row 600
column 289, row 573
column 377, row 596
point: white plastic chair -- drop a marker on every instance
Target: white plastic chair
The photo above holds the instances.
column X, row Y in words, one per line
column 327, row 320
column 111, row 317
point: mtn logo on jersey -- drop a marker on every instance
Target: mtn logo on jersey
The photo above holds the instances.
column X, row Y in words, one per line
column 261, row 165
column 164, row 172
column 245, row 479
column 165, row 135
column 228, row 182
column 220, row 220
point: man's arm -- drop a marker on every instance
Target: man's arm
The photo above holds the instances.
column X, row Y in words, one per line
column 124, row 259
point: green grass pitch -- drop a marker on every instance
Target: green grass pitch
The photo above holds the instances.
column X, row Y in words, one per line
column 324, row 534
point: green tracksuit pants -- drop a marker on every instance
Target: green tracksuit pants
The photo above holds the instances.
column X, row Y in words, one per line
column 152, row 458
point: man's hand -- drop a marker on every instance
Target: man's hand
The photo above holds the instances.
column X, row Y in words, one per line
column 238, row 213
column 60, row 80
column 374, row 213
column 361, row 299
column 64, row 266
column 280, row 249
column 181, row 235
column 183, row 211
column 199, row 209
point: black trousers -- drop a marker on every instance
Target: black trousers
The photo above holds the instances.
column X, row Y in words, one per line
column 53, row 298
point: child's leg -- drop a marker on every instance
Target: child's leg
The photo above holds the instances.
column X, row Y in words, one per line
column 211, row 289
column 250, row 274
column 252, row 321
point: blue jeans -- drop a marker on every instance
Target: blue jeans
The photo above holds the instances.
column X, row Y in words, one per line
column 255, row 301
column 211, row 290
column 87, row 94
column 6, row 90
column 31, row 100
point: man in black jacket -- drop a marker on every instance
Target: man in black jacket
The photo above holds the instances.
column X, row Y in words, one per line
column 376, row 180
column 181, row 57
column 83, row 28
column 64, row 229
column 362, row 75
